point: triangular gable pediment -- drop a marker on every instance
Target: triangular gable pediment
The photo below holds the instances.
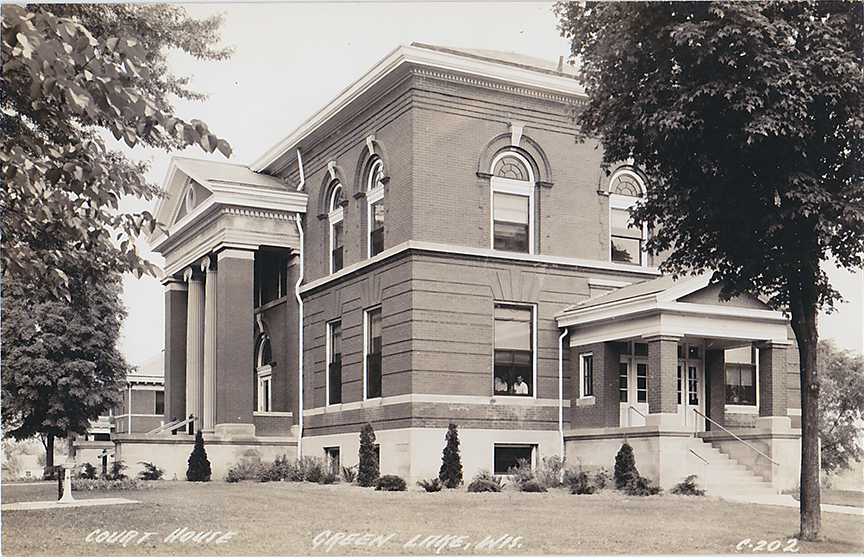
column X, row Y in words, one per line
column 193, row 194
column 710, row 296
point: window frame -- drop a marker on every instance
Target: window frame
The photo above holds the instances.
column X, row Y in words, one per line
column 509, row 186
column 744, row 408
column 335, row 217
column 532, row 387
column 620, row 202
column 374, row 196
column 329, row 361
column 263, row 375
column 367, row 340
column 583, row 383
column 532, row 460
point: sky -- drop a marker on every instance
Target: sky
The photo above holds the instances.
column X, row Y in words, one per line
column 291, row 59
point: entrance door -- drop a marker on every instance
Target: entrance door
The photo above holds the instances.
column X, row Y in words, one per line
column 691, row 393
column 633, row 391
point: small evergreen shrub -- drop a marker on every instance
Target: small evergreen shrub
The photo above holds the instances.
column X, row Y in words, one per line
column 450, row 473
column 150, row 472
column 199, row 467
column 625, row 467
column 349, row 474
column 688, row 487
column 88, row 472
column 431, row 487
column 367, row 472
column 485, row 481
column 116, row 471
column 390, row 482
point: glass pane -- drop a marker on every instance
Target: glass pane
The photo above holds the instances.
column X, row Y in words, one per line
column 622, row 382
column 512, row 168
column 374, row 325
column 693, row 352
column 338, row 260
column 335, row 341
column 335, row 380
column 336, row 197
column 376, row 239
column 621, row 224
column 373, row 379
column 511, row 237
column 640, row 348
column 741, row 355
column 510, row 208
column 513, row 328
column 509, row 457
column 627, row 250
column 625, row 184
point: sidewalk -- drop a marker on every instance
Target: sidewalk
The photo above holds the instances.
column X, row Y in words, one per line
column 33, row 505
column 789, row 501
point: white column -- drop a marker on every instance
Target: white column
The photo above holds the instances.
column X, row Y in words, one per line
column 209, row 346
column 194, row 346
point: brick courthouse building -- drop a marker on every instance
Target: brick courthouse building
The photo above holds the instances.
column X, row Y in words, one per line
column 429, row 238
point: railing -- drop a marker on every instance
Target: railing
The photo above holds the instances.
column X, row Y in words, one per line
column 748, row 445
column 633, row 408
column 172, row 426
column 697, row 455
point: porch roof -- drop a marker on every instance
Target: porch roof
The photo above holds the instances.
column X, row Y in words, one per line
column 665, row 306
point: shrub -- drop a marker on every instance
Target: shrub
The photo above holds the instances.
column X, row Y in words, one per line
column 80, row 484
column 88, row 472
column 450, row 473
column 550, row 471
column 368, row 467
column 312, row 469
column 390, row 483
column 199, row 467
column 328, row 477
column 349, row 474
column 116, row 471
column 602, row 479
column 532, row 486
column 150, row 472
column 625, row 467
column 431, row 487
column 688, row 487
column 641, row 487
column 521, row 473
column 485, row 481
column 245, row 469
column 579, row 482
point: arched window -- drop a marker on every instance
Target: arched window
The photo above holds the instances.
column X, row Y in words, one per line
column 627, row 241
column 375, row 200
column 335, row 216
column 512, row 203
column 264, row 373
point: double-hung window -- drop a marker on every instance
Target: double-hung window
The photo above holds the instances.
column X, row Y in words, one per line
column 264, row 373
column 514, row 350
column 375, row 201
column 373, row 353
column 586, row 375
column 334, row 362
column 512, row 204
column 627, row 241
column 741, row 374
column 335, row 217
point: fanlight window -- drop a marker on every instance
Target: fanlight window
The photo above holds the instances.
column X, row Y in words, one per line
column 335, row 218
column 511, row 168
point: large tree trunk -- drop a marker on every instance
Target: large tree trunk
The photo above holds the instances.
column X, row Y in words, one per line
column 49, row 452
column 803, row 306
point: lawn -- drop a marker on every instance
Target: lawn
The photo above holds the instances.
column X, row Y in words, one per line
column 291, row 518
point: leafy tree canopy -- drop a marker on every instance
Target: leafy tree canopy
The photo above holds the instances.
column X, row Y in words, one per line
column 70, row 73
column 841, row 407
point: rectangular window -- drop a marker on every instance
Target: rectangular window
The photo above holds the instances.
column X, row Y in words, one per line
column 373, row 353
column 641, row 382
column 511, row 219
column 514, row 350
column 586, row 365
column 626, row 242
column 160, row 402
column 334, row 362
column 376, row 231
column 510, row 456
column 270, row 275
column 337, row 248
column 741, row 376
column 333, row 459
column 622, row 383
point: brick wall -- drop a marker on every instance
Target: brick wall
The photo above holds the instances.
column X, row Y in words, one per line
column 175, row 353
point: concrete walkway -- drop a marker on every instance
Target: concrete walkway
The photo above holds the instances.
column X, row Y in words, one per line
column 789, row 501
column 33, row 505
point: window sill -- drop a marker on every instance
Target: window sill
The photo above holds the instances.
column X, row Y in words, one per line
column 585, row 401
column 741, row 409
column 274, row 414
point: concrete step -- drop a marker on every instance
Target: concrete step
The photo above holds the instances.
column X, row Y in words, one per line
column 727, row 478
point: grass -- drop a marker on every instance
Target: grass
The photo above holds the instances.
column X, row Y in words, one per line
column 285, row 518
column 846, row 498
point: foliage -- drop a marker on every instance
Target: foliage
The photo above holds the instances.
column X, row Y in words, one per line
column 841, row 407
column 579, row 481
column 602, row 479
column 688, row 487
column 61, row 364
column 198, row 469
column 88, row 472
column 451, row 461
column 625, row 467
column 349, row 474
column 390, row 482
column 432, row 486
column 311, row 469
column 70, row 73
column 531, row 486
column 368, row 468
column 747, row 120
column 521, row 473
column 485, row 481
column 116, row 471
column 151, row 472
column 124, row 484
column 550, row 472
column 641, row 487
column 247, row 468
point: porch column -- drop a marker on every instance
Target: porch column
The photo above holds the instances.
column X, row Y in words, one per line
column 209, row 414
column 194, row 346
column 715, row 385
column 772, row 378
column 235, row 326
column 175, row 349
column 663, row 374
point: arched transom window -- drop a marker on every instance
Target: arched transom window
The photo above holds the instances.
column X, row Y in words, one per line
column 627, row 240
column 375, row 201
column 264, row 373
column 512, row 203
column 335, row 216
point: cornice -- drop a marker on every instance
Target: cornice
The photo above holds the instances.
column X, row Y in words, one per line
column 497, row 85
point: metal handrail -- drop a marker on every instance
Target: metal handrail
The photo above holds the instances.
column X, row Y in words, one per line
column 631, row 407
column 707, row 464
column 172, row 426
column 760, row 453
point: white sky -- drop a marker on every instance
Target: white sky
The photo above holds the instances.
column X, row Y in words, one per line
column 293, row 58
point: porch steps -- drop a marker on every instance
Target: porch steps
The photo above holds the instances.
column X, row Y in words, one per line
column 725, row 477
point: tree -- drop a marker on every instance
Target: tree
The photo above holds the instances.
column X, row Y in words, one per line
column 61, row 364
column 70, row 73
column 841, row 407
column 367, row 472
column 746, row 119
column 198, row 469
column 625, row 467
column 450, row 473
